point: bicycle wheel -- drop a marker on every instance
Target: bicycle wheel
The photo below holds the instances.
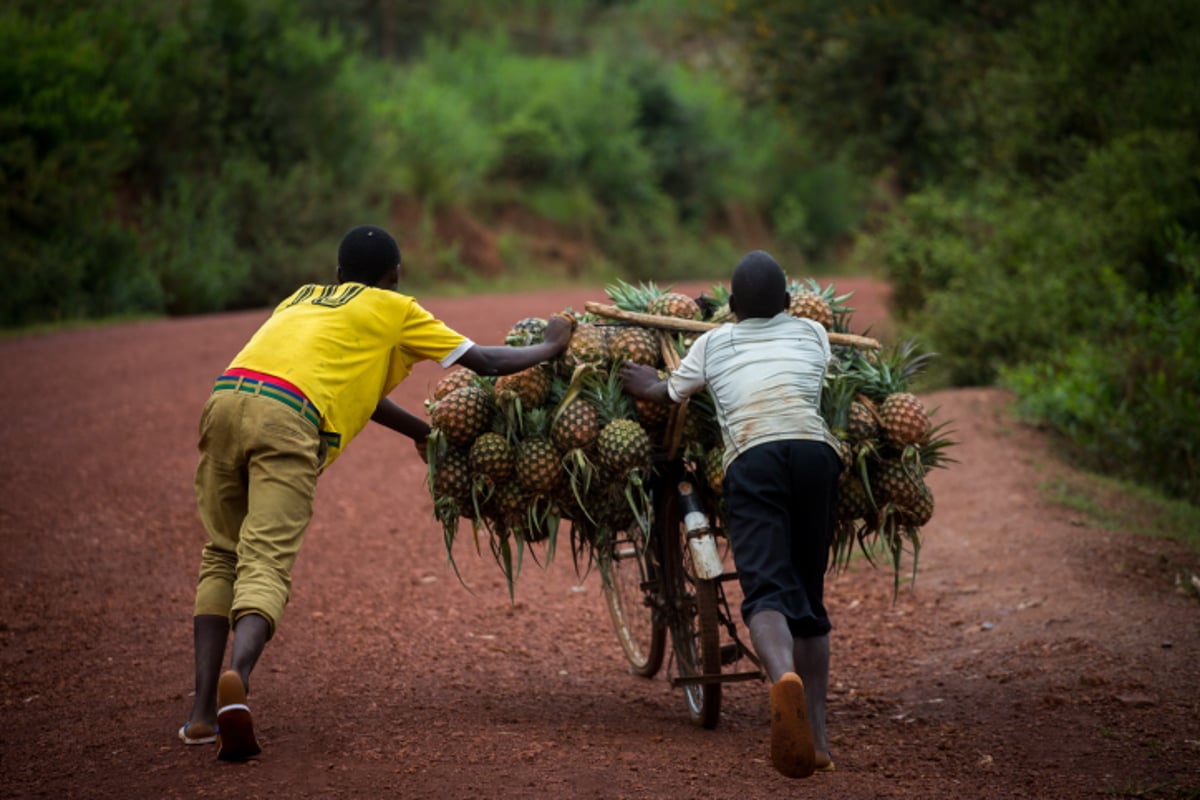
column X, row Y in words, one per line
column 628, row 582
column 692, row 618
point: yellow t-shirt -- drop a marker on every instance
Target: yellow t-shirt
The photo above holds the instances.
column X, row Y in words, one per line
column 346, row 347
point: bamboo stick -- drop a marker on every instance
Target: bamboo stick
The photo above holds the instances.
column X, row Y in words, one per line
column 674, row 432
column 692, row 325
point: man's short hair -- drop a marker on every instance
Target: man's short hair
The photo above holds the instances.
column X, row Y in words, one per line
column 366, row 253
column 759, row 286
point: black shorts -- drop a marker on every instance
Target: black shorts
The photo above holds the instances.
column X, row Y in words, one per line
column 781, row 502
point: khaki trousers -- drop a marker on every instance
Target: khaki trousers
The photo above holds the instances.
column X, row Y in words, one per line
column 259, row 461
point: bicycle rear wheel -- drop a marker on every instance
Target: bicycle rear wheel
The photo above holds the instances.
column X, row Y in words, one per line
column 629, row 583
column 692, row 618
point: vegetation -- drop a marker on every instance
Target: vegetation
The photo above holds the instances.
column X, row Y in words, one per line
column 1025, row 172
column 1049, row 233
column 183, row 157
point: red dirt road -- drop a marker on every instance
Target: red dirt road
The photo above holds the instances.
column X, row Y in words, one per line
column 1036, row 657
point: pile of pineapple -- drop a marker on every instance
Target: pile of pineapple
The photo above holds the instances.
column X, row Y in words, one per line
column 516, row 455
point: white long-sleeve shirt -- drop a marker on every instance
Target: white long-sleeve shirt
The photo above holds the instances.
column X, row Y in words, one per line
column 765, row 376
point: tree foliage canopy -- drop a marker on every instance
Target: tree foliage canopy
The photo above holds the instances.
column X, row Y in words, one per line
column 1050, row 235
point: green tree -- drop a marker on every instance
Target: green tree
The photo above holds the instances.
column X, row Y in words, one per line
column 66, row 137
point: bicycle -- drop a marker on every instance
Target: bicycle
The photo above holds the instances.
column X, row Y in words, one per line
column 666, row 577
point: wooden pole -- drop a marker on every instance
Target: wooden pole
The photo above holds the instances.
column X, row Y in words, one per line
column 696, row 326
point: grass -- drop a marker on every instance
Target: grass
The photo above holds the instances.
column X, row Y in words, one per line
column 1113, row 504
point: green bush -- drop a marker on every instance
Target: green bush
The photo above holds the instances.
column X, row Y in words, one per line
column 1129, row 194
column 191, row 248
column 1129, row 403
column 179, row 157
column 64, row 137
column 882, row 84
column 1073, row 76
column 430, row 142
column 821, row 205
column 994, row 280
column 246, row 237
column 1007, row 275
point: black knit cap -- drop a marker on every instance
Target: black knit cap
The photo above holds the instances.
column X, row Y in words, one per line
column 366, row 253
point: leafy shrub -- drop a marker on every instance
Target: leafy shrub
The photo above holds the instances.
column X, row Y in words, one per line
column 1130, row 403
column 883, row 84
column 1007, row 275
column 1129, row 194
column 1075, row 76
column 430, row 141
column 65, row 137
column 192, row 251
column 820, row 206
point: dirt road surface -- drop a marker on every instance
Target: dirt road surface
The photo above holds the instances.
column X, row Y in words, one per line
column 1037, row 656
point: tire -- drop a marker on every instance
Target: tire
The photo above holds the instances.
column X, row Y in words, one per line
column 639, row 625
column 691, row 617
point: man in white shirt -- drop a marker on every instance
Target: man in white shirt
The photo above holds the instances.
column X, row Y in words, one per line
column 765, row 375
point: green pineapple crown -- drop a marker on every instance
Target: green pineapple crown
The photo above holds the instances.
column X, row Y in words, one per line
column 719, row 292
column 892, row 370
column 537, row 423
column 607, row 394
column 628, row 297
column 838, row 394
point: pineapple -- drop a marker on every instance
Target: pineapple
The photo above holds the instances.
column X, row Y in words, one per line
column 576, row 425
column 921, row 510
column 463, row 414
column 650, row 299
column 901, row 415
column 903, row 419
column 530, row 386
column 717, row 310
column 574, row 429
column 538, row 467
column 811, row 306
column 612, row 508
column 527, row 331
column 451, row 475
column 633, row 298
column 895, row 483
column 492, row 459
column 723, row 314
column 505, row 507
column 633, row 343
column 714, row 469
column 675, row 304
column 588, row 345
column 454, row 379
column 862, row 421
column 809, row 300
column 653, row 416
column 450, row 485
column 541, row 522
column 853, row 501
column 623, row 445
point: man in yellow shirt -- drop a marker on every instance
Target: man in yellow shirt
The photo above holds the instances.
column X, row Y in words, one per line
column 305, row 384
